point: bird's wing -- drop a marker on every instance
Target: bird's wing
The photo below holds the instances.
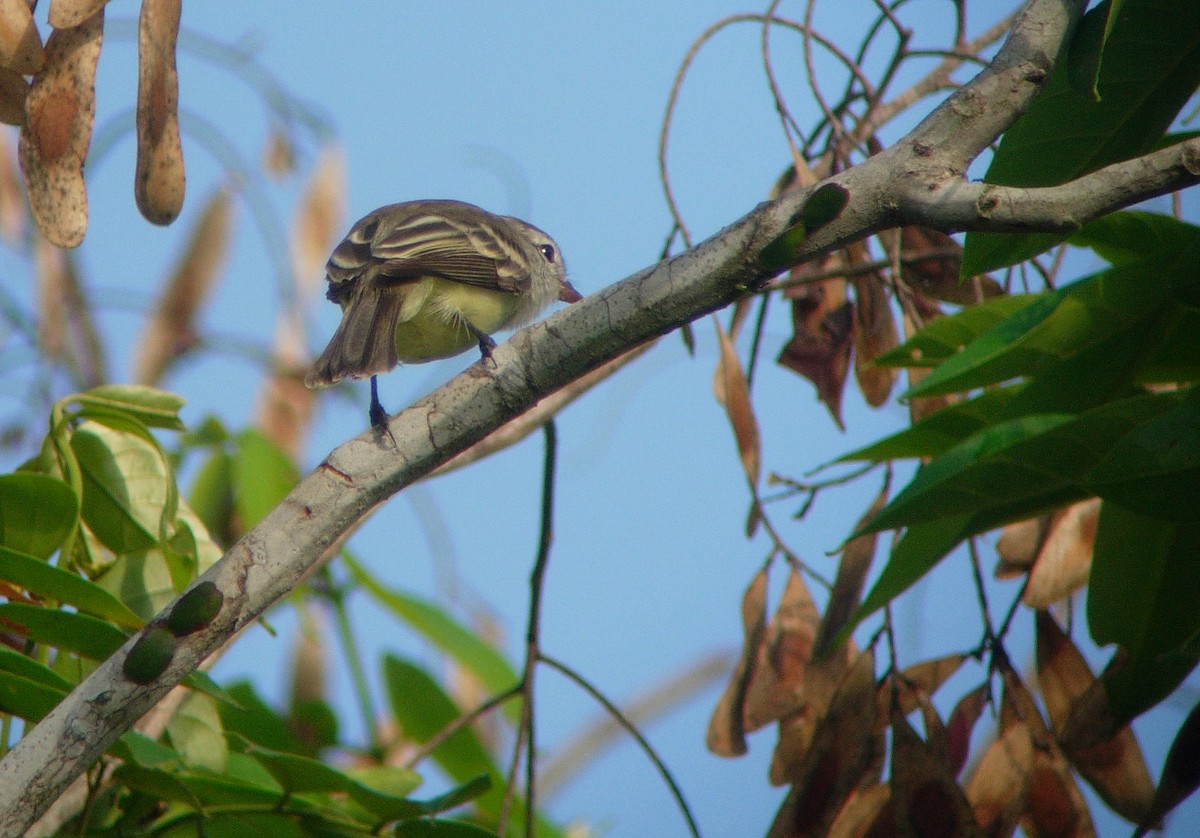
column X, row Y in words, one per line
column 408, row 241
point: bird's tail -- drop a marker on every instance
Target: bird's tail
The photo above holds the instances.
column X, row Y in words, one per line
column 364, row 343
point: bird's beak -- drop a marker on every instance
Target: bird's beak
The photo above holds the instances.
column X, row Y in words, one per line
column 568, row 294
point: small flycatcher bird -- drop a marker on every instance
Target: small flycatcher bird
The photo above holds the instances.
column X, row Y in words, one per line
column 425, row 280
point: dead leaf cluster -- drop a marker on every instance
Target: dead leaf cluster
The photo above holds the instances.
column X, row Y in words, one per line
column 838, row 727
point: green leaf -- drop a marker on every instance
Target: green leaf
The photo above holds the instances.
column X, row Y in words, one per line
column 1155, row 469
column 128, row 487
column 449, row 635
column 1130, row 235
column 1059, row 325
column 1017, row 468
column 18, row 664
column 1150, row 68
column 37, row 512
column 316, row 720
column 152, row 407
column 212, row 494
column 984, row 471
column 1086, row 49
column 941, row 430
column 442, row 829
column 27, row 698
column 389, row 780
column 1142, row 596
column 917, row 552
column 49, row 582
column 422, row 709
column 140, row 749
column 1176, row 358
column 165, row 785
column 93, row 639
column 298, row 774
column 202, row 682
column 262, row 476
column 946, row 336
column 254, row 720
column 1099, row 371
column 196, row 734
column 143, row 580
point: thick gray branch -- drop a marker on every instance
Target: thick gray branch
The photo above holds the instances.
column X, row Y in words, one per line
column 919, row 180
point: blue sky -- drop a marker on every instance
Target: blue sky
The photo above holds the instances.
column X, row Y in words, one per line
column 551, row 112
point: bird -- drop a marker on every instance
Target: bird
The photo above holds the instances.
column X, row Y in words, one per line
column 423, row 280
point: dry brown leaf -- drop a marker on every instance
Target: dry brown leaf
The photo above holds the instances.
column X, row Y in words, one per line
column 319, row 220
column 171, row 331
column 13, row 90
column 867, row 814
column 962, row 722
column 279, row 158
column 67, row 13
column 925, row 799
column 1091, row 720
column 59, row 112
column 159, row 180
column 848, row 585
column 904, row 691
column 285, row 405
column 1055, row 808
column 1017, row 705
column 309, row 666
column 1055, row 805
column 1115, row 767
column 733, row 392
column 726, row 732
column 823, row 336
column 66, row 331
column 1018, row 546
column 997, row 787
column 875, row 333
column 1180, row 774
column 777, row 687
column 842, row 750
column 741, row 310
column 20, row 43
column 1065, row 559
column 822, row 680
column 937, row 277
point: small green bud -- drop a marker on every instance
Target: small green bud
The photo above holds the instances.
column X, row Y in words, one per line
column 150, row 656
column 195, row 609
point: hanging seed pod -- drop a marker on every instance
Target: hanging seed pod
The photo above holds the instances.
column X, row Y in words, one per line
column 59, row 112
column 159, row 180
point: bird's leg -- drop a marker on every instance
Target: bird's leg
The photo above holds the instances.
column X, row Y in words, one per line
column 379, row 416
column 486, row 344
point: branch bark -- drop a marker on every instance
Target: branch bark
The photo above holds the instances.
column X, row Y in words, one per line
column 917, row 181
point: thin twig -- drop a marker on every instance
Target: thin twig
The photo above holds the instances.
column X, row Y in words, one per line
column 526, row 733
column 863, row 268
column 643, row 743
column 466, row 719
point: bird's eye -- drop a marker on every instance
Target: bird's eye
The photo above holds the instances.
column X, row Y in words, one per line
column 547, row 251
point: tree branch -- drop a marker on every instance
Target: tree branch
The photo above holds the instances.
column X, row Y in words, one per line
column 919, row 180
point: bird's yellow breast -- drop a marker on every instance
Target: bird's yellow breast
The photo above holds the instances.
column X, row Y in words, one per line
column 433, row 318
